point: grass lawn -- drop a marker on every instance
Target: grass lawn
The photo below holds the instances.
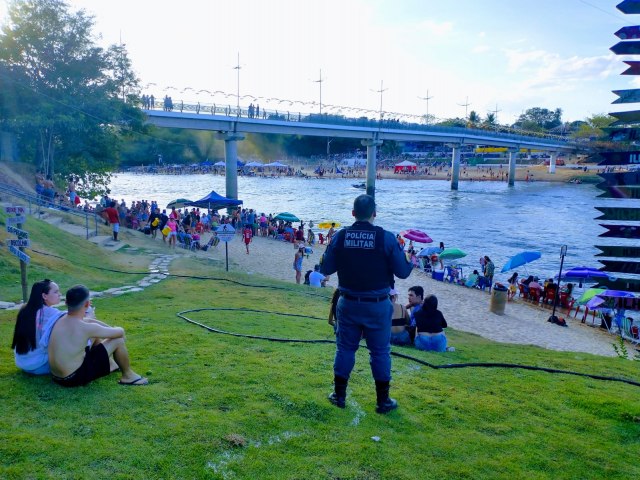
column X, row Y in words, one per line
column 223, row 407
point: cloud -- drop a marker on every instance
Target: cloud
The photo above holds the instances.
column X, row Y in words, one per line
column 437, row 29
column 480, row 49
column 546, row 70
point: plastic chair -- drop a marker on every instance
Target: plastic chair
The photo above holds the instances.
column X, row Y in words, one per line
column 534, row 295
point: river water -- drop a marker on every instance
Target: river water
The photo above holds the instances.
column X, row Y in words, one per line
column 481, row 218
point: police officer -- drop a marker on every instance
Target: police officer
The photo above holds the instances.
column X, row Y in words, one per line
column 366, row 259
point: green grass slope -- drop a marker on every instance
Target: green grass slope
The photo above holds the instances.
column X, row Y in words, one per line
column 56, row 254
column 224, row 407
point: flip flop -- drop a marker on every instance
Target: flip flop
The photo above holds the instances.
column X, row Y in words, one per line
column 136, row 382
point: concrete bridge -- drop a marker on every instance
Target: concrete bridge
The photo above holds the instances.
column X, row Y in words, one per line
column 232, row 124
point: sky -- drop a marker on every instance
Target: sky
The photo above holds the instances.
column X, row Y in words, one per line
column 495, row 55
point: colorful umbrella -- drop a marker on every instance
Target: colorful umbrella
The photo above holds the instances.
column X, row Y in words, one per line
column 178, row 203
column 427, row 252
column 520, row 259
column 417, row 236
column 327, row 225
column 584, row 274
column 451, row 254
column 287, row 217
column 589, row 294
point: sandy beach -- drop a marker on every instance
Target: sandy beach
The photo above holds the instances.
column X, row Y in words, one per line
column 465, row 309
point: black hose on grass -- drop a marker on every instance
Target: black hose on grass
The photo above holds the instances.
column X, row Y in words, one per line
column 395, row 354
column 294, row 340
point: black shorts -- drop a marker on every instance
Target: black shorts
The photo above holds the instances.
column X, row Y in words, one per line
column 95, row 365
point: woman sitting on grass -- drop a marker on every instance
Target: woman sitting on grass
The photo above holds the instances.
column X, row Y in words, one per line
column 430, row 324
column 399, row 322
column 34, row 319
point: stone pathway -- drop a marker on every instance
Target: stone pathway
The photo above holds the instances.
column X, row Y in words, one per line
column 158, row 268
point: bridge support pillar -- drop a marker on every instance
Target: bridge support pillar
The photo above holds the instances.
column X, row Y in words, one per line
column 552, row 162
column 513, row 155
column 231, row 163
column 372, row 146
column 455, row 166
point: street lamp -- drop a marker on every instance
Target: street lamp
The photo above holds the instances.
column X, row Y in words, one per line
column 238, row 67
column 319, row 82
column 427, row 98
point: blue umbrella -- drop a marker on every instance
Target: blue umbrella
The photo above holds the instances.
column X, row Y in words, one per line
column 520, row 259
column 584, row 274
column 427, row 252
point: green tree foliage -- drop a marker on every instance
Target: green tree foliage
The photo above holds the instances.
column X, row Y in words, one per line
column 490, row 121
column 538, row 119
column 593, row 127
column 62, row 95
column 474, row 119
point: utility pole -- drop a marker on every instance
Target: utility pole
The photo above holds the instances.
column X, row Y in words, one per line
column 466, row 106
column 380, row 92
column 319, row 82
column 238, row 67
column 427, row 98
column 495, row 115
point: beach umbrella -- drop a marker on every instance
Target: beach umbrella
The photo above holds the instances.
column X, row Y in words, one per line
column 620, row 299
column 520, row 259
column 427, row 252
column 589, row 294
column 585, row 274
column 287, row 217
column 416, row 235
column 451, row 254
column 327, row 225
column 178, row 203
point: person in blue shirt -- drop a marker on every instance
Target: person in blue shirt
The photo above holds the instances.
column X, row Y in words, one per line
column 366, row 258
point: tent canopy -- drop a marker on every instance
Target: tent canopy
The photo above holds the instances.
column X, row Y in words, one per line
column 406, row 163
column 214, row 201
column 276, row 164
column 405, row 166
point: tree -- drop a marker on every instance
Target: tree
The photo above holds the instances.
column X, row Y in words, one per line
column 539, row 119
column 62, row 94
column 490, row 121
column 474, row 119
column 593, row 127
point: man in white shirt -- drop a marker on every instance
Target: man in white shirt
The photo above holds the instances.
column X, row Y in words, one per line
column 316, row 279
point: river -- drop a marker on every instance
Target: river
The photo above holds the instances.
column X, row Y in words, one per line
column 481, row 218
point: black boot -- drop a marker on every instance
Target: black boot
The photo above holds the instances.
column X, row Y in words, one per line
column 384, row 403
column 339, row 395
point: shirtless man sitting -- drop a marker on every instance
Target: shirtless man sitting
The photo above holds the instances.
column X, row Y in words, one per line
column 73, row 362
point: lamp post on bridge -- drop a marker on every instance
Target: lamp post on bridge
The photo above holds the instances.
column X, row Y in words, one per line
column 427, row 98
column 238, row 67
column 319, row 82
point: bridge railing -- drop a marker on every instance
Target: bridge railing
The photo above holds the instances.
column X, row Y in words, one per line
column 37, row 203
column 498, row 131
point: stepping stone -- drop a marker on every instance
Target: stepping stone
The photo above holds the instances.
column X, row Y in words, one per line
column 6, row 305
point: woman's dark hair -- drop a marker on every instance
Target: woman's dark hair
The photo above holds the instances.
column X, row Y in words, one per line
column 24, row 334
column 430, row 303
column 513, row 277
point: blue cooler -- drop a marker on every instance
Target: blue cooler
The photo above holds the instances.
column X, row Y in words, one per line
column 438, row 275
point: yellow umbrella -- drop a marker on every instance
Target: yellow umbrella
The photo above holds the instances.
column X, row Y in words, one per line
column 328, row 224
